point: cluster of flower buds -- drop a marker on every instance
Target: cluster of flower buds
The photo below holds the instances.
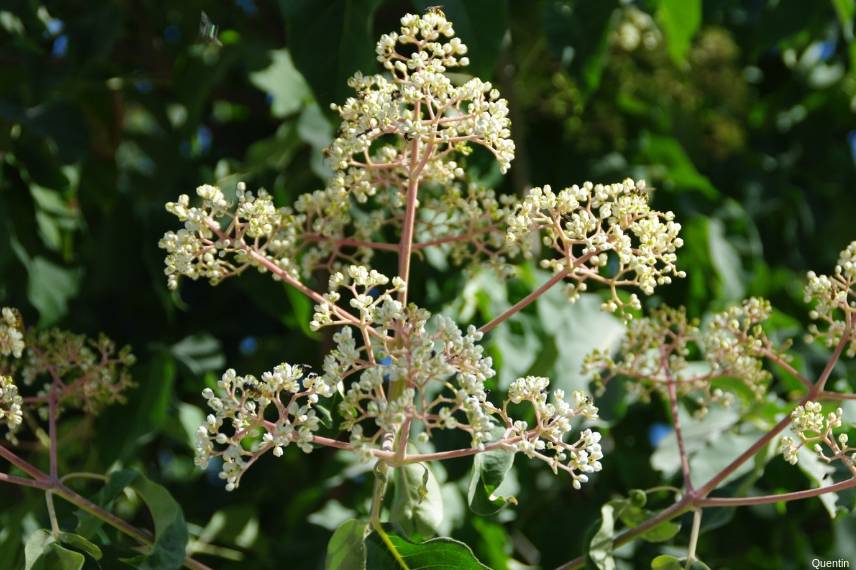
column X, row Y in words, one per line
column 467, row 223
column 656, row 352
column 11, row 413
column 11, row 333
column 636, row 29
column 78, row 372
column 603, row 233
column 432, row 118
column 815, row 430
column 547, row 439
column 834, row 298
column 251, row 416
column 399, row 370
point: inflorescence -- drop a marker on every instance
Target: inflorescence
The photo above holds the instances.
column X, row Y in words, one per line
column 78, row 373
column 666, row 348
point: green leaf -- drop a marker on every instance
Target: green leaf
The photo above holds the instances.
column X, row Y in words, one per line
column 601, row 546
column 579, row 32
column 632, row 514
column 417, row 504
column 726, row 261
column 669, row 562
column 286, row 86
column 81, row 544
column 42, row 552
column 330, row 40
column 846, row 10
column 681, row 172
column 489, row 471
column 50, row 287
column 664, row 531
column 393, row 552
column 347, row 548
column 680, row 20
column 200, row 353
column 168, row 551
column 577, row 329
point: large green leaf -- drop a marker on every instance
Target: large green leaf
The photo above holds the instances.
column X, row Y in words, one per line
column 578, row 32
column 329, row 41
column 489, row 471
column 417, row 504
column 283, row 83
column 168, row 550
column 347, row 549
column 394, row 552
column 680, row 19
column 577, row 329
column 50, row 287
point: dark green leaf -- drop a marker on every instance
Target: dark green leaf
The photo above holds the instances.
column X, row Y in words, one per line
column 489, row 470
column 168, row 551
column 329, row 41
column 481, row 25
column 79, row 543
column 347, row 549
column 397, row 553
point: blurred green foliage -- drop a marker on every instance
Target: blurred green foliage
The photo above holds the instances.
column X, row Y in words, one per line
column 742, row 113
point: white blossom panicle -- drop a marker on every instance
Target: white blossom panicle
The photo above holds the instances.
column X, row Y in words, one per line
column 655, row 352
column 815, row 430
column 433, row 118
column 251, row 416
column 87, row 374
column 602, row 233
column 397, row 368
column 11, row 333
column 11, row 412
column 734, row 342
column 547, row 439
column 834, row 298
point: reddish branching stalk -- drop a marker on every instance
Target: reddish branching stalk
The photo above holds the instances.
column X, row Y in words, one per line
column 676, row 421
column 698, row 498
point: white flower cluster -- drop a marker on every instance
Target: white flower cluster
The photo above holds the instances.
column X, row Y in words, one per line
column 89, row 373
column 219, row 238
column 423, row 371
column 467, row 222
column 11, row 413
column 238, row 431
column 93, row 373
column 734, row 342
column 816, row 429
column 635, row 30
column 11, row 333
column 834, row 298
column 655, row 352
column 432, row 117
column 547, row 439
column 590, row 225
column 11, row 346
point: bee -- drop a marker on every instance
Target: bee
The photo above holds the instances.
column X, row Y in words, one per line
column 208, row 31
column 435, row 10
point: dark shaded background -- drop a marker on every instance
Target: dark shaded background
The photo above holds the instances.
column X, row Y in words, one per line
column 109, row 109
